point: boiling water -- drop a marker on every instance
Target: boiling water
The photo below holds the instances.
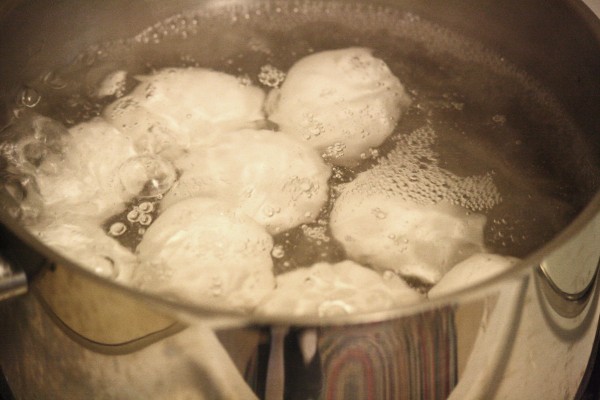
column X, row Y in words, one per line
column 486, row 115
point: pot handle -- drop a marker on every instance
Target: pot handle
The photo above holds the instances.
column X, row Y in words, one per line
column 569, row 274
column 18, row 262
column 13, row 281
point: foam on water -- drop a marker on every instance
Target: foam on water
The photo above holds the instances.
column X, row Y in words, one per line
column 412, row 172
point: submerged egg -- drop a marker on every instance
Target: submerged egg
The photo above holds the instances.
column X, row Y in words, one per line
column 86, row 180
column 203, row 252
column 473, row 270
column 274, row 179
column 336, row 289
column 341, row 102
column 410, row 215
column 175, row 108
column 417, row 241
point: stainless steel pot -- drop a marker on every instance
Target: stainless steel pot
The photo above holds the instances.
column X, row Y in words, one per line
column 526, row 334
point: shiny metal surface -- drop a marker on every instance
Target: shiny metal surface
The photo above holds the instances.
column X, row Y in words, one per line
column 505, row 339
column 569, row 274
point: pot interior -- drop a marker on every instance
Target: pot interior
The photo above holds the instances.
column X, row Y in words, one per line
column 496, row 86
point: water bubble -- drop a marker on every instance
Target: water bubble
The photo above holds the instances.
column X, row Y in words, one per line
column 54, row 81
column 133, row 215
column 268, row 211
column 145, row 219
column 271, row 76
column 146, row 207
column 117, row 229
column 245, row 80
column 315, row 130
column 278, row 252
column 379, row 213
column 336, row 150
column 29, row 97
column 147, row 176
column 315, row 233
column 499, row 119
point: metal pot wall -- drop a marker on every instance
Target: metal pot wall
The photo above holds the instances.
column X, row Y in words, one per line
column 528, row 333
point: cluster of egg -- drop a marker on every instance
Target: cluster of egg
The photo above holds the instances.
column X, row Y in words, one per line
column 234, row 166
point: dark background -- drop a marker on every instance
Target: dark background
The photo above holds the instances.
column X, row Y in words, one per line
column 592, row 392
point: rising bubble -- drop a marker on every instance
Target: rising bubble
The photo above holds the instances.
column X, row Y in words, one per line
column 29, row 97
column 117, row 229
column 147, row 176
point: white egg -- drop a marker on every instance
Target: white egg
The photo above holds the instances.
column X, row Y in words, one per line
column 335, row 289
column 86, row 180
column 471, row 271
column 85, row 243
column 176, row 107
column 201, row 251
column 207, row 95
column 275, row 179
column 417, row 241
column 341, row 102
